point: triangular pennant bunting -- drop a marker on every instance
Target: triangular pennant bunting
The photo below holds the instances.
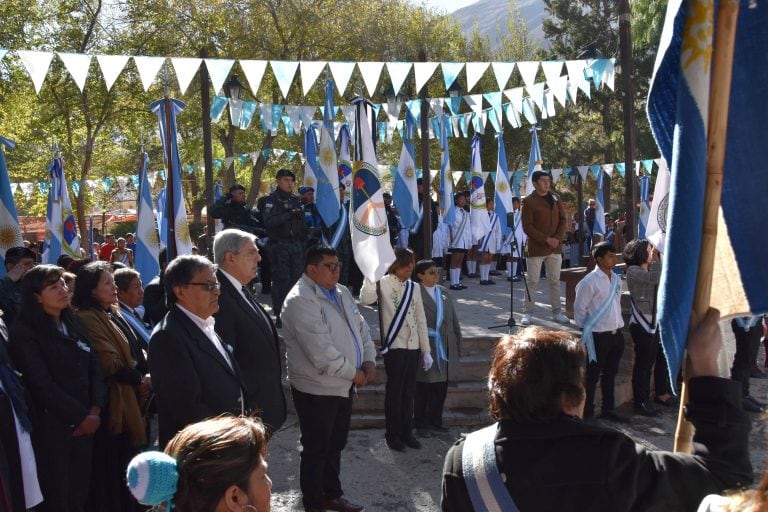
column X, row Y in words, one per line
column 218, row 69
column 254, row 73
column 423, row 71
column 475, row 71
column 111, row 67
column 451, row 71
column 552, row 69
column 559, row 87
column 284, row 71
column 398, row 72
column 77, row 65
column 310, row 70
column 148, row 68
column 502, row 71
column 185, row 69
column 528, row 70
column 371, row 72
column 37, row 65
column 342, row 72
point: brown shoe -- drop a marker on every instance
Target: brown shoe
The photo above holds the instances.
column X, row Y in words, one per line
column 341, row 505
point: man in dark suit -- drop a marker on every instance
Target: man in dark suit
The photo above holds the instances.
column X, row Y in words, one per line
column 194, row 375
column 243, row 323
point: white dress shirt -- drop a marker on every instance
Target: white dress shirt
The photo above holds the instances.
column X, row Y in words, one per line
column 591, row 292
column 207, row 326
column 239, row 287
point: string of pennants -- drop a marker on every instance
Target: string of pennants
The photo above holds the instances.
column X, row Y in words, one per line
column 642, row 167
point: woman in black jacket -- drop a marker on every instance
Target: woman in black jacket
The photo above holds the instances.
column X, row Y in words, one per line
column 62, row 374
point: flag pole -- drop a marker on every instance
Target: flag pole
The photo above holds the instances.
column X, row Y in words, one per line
column 717, row 127
column 170, row 213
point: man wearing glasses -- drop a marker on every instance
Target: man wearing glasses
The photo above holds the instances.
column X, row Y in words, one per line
column 329, row 351
column 194, row 373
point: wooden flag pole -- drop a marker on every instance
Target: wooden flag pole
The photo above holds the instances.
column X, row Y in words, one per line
column 717, row 127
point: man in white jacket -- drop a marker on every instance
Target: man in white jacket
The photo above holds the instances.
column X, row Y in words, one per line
column 329, row 351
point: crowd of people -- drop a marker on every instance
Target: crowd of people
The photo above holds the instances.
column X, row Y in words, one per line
column 92, row 360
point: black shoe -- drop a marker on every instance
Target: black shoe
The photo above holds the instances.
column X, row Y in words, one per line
column 494, row 273
column 669, row 402
column 645, row 409
column 411, row 442
column 279, row 323
column 472, row 276
column 457, row 287
column 341, row 505
column 396, row 444
column 750, row 405
column 614, row 416
column 486, row 282
column 758, row 402
column 756, row 373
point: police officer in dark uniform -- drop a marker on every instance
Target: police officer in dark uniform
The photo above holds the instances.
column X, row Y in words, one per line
column 283, row 218
column 312, row 218
column 234, row 213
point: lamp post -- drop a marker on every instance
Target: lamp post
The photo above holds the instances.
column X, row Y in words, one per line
column 233, row 90
column 205, row 101
column 575, row 178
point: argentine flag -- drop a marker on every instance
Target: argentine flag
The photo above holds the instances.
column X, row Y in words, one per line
column 678, row 112
column 405, row 191
column 503, row 196
column 599, row 228
column 147, row 239
column 10, row 233
column 446, row 177
column 60, row 226
column 534, row 159
column 310, row 158
column 327, row 189
column 478, row 215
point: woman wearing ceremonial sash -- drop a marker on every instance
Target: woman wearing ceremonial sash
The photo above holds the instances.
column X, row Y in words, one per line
column 404, row 345
column 445, row 343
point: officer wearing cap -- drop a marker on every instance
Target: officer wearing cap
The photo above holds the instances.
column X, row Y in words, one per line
column 312, row 218
column 283, row 218
column 234, row 213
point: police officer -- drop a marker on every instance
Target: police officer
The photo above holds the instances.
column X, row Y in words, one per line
column 312, row 218
column 234, row 213
column 283, row 217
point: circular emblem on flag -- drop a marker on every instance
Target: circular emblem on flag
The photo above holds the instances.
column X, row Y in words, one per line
column 182, row 231
column 409, row 173
column 151, row 236
column 503, row 187
column 661, row 213
column 327, row 156
column 309, row 181
column 10, row 236
column 367, row 202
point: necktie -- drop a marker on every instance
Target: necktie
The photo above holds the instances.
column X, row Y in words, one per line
column 253, row 304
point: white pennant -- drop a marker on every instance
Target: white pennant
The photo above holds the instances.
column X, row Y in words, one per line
column 436, row 104
column 549, row 101
column 475, row 71
column 294, row 114
column 456, row 176
column 254, row 73
column 528, row 70
column 37, row 65
column 371, row 72
column 26, row 188
column 307, row 115
column 552, row 69
column 585, row 87
column 583, row 169
column 610, row 73
column 536, row 92
column 284, row 71
column 392, row 109
column 310, row 70
column 342, row 72
column 77, row 65
column 608, row 168
column 3, row 52
column 111, row 67
column 185, row 69
column 556, row 173
column 637, row 168
column 148, row 68
column 573, row 90
column 515, row 98
column 576, row 69
column 502, row 71
column 218, row 70
column 559, row 87
column 122, row 181
column 423, row 71
column 475, row 102
column 398, row 72
column 151, row 178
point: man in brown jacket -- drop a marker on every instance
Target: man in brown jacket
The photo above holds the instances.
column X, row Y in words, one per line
column 544, row 224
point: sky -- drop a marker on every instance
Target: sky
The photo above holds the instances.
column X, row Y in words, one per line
column 446, row 5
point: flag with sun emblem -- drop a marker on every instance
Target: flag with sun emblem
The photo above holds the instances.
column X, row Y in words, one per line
column 368, row 220
column 345, row 161
column 534, row 159
column 405, row 192
column 503, row 195
column 60, row 225
column 175, row 214
column 678, row 110
column 147, row 239
column 10, row 234
column 478, row 215
column 310, row 158
column 327, row 189
column 446, row 176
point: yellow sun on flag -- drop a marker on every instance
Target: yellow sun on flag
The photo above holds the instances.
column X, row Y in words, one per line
column 409, row 172
column 327, row 156
column 697, row 36
column 182, row 231
column 309, row 182
column 503, row 187
column 9, row 237
column 151, row 237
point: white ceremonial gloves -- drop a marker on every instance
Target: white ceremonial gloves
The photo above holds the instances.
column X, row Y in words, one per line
column 427, row 361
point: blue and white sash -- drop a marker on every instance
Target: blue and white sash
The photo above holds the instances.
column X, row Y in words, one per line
column 399, row 318
column 435, row 333
column 460, row 231
column 747, row 322
column 481, row 473
column 137, row 325
column 586, row 335
column 417, row 226
column 639, row 318
column 487, row 238
column 340, row 227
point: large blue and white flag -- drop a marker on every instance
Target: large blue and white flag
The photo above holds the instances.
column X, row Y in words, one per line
column 503, row 196
column 599, row 228
column 310, row 158
column 10, row 233
column 478, row 215
column 162, row 225
column 446, row 176
column 645, row 205
column 147, row 238
column 176, row 233
column 327, row 189
column 405, row 192
column 534, row 159
column 345, row 160
column 678, row 111
column 60, row 225
column 368, row 219
column 656, row 229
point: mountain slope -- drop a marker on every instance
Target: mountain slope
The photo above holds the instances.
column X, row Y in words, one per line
column 490, row 14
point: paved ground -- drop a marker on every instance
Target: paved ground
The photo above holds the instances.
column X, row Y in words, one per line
column 410, row 481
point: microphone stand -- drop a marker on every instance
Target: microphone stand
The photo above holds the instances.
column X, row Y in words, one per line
column 513, row 245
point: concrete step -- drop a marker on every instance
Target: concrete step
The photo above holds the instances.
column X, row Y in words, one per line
column 473, row 367
column 461, row 395
column 451, row 418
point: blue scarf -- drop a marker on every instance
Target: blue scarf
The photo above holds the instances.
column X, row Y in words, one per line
column 586, row 336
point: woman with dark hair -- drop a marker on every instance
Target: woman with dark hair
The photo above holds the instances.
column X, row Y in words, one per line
column 643, row 274
column 540, row 455
column 220, row 464
column 125, row 371
column 51, row 349
column 444, row 342
column 404, row 345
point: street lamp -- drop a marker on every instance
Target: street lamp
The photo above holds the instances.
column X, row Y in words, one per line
column 574, row 177
column 233, row 89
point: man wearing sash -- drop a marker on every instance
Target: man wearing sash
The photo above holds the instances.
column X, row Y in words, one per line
column 489, row 244
column 597, row 310
column 461, row 240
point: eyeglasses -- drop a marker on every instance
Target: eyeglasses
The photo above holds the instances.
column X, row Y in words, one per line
column 208, row 285
column 333, row 267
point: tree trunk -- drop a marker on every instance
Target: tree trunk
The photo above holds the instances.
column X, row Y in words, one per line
column 257, row 170
column 227, row 139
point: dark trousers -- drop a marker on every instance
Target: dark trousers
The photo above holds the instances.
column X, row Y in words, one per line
column 287, row 257
column 428, row 403
column 10, row 461
column 646, row 346
column 401, row 366
column 63, row 467
column 661, row 384
column 609, row 348
column 324, row 423
column 747, row 346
